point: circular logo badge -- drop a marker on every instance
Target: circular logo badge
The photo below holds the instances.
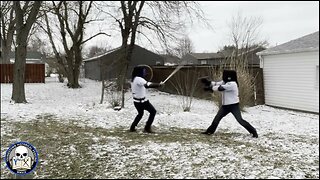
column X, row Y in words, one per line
column 21, row 158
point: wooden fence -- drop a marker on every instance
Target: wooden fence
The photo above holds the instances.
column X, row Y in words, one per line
column 34, row 73
column 160, row 73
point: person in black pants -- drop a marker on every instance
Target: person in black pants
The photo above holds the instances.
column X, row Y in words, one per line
column 230, row 101
column 138, row 86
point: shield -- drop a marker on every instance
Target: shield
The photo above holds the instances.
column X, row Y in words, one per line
column 149, row 73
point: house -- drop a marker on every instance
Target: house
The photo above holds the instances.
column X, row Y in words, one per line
column 32, row 57
column 171, row 60
column 203, row 58
column 291, row 74
column 108, row 65
column 221, row 57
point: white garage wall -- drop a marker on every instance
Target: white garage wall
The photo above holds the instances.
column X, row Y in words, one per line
column 290, row 80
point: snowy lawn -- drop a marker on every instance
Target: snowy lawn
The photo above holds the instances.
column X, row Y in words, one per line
column 76, row 137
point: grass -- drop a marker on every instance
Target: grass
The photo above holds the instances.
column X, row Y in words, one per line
column 68, row 150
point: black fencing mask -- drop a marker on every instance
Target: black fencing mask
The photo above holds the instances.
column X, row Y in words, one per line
column 229, row 75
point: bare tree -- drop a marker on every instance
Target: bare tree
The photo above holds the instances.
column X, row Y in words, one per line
column 23, row 26
column 244, row 34
column 35, row 43
column 7, row 29
column 96, row 51
column 128, row 25
column 8, row 21
column 184, row 47
column 162, row 18
column 72, row 17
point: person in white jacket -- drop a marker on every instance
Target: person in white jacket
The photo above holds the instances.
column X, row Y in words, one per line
column 230, row 101
column 138, row 87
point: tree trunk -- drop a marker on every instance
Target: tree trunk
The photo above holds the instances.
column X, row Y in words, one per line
column 6, row 44
column 5, row 55
column 18, row 90
column 76, row 73
column 22, row 29
column 74, row 68
column 102, row 91
column 128, row 55
column 7, row 31
column 123, row 83
column 73, row 78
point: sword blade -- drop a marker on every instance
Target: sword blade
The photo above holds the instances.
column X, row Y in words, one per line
column 173, row 72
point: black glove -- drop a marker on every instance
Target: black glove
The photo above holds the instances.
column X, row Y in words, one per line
column 208, row 88
column 154, row 85
column 220, row 88
column 205, row 81
column 161, row 84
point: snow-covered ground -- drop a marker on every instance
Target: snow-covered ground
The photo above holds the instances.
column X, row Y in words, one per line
column 283, row 134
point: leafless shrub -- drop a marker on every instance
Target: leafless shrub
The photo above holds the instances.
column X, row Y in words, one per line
column 185, row 83
column 112, row 94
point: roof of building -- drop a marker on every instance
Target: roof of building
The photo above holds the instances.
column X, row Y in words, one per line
column 306, row 43
column 222, row 54
column 111, row 51
column 207, row 55
column 97, row 57
column 171, row 58
column 30, row 55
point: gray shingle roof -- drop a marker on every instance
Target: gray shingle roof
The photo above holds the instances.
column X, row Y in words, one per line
column 171, row 58
column 30, row 55
column 206, row 55
column 306, row 43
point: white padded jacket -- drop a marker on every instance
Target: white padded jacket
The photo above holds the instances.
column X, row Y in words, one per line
column 231, row 93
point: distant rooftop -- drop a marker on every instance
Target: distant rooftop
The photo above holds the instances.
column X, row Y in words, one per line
column 207, row 55
column 30, row 55
column 309, row 42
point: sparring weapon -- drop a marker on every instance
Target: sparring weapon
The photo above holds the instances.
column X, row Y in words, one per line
column 173, row 72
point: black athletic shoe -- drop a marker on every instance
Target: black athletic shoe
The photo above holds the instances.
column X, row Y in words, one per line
column 255, row 135
column 207, row 133
column 133, row 130
column 148, row 131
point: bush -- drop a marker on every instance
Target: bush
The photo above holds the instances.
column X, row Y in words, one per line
column 185, row 84
column 114, row 96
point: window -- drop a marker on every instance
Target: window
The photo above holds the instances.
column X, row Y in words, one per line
column 203, row 62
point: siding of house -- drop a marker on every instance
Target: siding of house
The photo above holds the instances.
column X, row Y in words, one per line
column 92, row 71
column 290, row 80
column 109, row 65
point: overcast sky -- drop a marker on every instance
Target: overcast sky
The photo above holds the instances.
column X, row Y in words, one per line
column 282, row 21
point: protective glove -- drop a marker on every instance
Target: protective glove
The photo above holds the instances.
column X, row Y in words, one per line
column 208, row 88
column 205, row 81
column 152, row 85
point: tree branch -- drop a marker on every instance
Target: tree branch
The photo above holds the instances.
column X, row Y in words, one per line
column 100, row 33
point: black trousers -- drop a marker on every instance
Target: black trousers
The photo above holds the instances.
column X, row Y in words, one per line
column 235, row 110
column 140, row 108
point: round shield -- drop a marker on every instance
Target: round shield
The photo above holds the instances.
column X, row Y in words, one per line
column 149, row 72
